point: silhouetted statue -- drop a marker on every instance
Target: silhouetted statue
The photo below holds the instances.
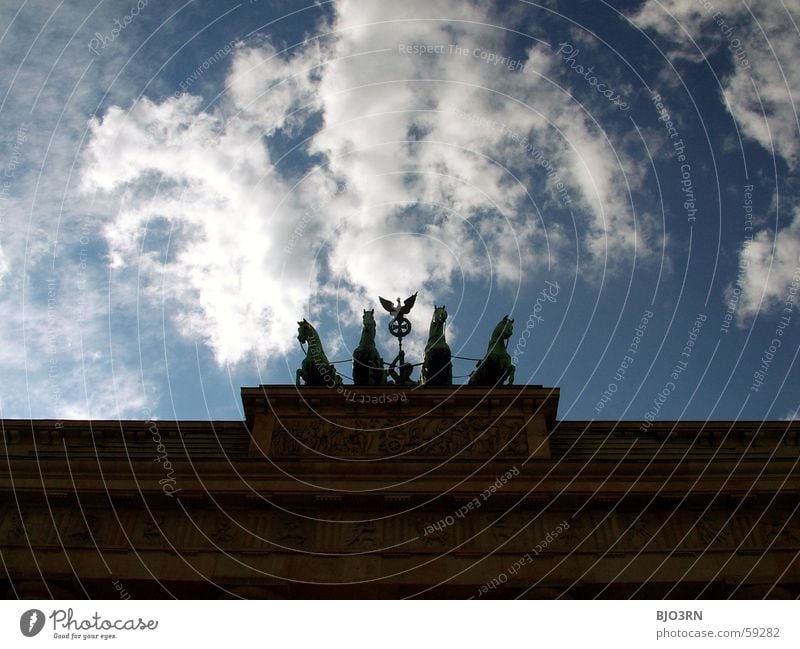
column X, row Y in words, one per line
column 399, row 326
column 496, row 367
column 437, row 368
column 367, row 362
column 403, row 377
column 315, row 369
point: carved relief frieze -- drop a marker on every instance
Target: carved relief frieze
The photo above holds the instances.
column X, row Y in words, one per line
column 427, row 532
column 15, row 527
column 363, row 537
column 782, row 529
column 383, row 437
column 292, row 532
column 223, row 532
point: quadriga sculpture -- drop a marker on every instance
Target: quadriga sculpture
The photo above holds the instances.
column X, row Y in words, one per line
column 437, row 368
column 496, row 368
column 315, row 368
column 367, row 362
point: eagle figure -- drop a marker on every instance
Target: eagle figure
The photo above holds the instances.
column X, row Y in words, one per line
column 400, row 311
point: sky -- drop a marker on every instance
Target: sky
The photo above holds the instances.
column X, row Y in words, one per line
column 181, row 182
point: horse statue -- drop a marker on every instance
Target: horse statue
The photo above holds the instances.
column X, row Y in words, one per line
column 367, row 362
column 315, row 369
column 437, row 368
column 496, row 367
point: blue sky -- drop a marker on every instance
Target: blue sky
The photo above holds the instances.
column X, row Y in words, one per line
column 182, row 182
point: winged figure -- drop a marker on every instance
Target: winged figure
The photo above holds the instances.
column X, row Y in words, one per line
column 399, row 311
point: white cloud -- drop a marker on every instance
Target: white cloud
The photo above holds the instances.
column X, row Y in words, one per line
column 761, row 39
column 61, row 365
column 267, row 90
column 50, row 86
column 430, row 198
column 770, row 264
column 229, row 271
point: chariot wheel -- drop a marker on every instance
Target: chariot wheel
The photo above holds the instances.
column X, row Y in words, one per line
column 400, row 328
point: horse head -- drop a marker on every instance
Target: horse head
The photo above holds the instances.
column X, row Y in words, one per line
column 305, row 331
column 439, row 314
column 503, row 330
column 368, row 322
column 508, row 330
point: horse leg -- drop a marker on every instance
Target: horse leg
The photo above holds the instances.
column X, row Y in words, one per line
column 511, row 373
column 380, row 372
column 360, row 369
column 300, row 374
column 473, row 377
column 476, row 375
column 375, row 369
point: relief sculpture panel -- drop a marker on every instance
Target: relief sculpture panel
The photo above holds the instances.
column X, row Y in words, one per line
column 384, row 438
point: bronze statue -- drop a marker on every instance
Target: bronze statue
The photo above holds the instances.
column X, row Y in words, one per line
column 403, row 377
column 399, row 326
column 315, row 369
column 437, row 368
column 367, row 362
column 496, row 366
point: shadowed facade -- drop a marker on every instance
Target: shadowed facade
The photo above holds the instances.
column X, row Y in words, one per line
column 387, row 492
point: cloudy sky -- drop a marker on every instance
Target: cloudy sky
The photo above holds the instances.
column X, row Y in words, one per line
column 180, row 182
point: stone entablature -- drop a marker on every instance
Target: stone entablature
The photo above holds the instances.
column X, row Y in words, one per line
column 383, row 423
column 327, row 493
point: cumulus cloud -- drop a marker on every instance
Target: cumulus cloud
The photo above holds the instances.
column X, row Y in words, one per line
column 229, row 271
column 409, row 170
column 65, row 363
column 760, row 39
column 771, row 265
column 55, row 349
